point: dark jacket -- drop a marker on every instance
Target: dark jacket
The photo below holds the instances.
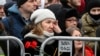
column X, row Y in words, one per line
column 38, row 40
column 3, row 42
column 13, row 46
column 35, row 41
column 88, row 26
column 89, row 29
column 15, row 23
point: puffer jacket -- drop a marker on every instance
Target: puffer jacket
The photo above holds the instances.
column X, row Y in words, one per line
column 88, row 26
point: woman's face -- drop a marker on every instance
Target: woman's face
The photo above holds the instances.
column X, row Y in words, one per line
column 48, row 25
column 75, row 3
column 46, row 3
column 78, row 44
column 76, row 33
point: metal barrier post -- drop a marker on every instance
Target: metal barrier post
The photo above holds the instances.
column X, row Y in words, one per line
column 8, row 47
column 67, row 38
column 16, row 39
column 95, row 47
column 83, row 48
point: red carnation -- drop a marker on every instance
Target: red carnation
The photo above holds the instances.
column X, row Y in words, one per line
column 27, row 44
column 33, row 44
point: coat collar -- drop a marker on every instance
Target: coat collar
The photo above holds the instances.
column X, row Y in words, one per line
column 87, row 18
column 41, row 38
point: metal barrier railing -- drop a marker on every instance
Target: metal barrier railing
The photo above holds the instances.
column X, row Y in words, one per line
column 18, row 41
column 68, row 38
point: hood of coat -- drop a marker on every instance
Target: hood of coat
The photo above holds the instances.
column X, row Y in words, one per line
column 14, row 9
column 41, row 38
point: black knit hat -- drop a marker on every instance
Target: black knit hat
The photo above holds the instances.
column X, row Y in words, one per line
column 63, row 2
column 20, row 2
column 92, row 4
column 71, row 13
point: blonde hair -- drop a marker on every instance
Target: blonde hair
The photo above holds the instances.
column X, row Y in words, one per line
column 35, row 28
column 38, row 30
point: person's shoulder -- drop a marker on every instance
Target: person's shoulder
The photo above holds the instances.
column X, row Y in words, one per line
column 88, row 51
column 29, row 38
column 64, row 33
column 5, row 20
column 84, row 15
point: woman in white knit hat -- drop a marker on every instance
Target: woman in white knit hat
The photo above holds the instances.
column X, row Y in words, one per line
column 43, row 25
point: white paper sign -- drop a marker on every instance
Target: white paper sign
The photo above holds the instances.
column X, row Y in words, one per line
column 65, row 46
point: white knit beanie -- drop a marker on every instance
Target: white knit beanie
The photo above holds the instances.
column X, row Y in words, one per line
column 2, row 2
column 42, row 14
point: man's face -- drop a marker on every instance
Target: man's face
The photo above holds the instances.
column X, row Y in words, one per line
column 38, row 3
column 29, row 6
column 2, row 11
column 95, row 11
column 70, row 22
column 75, row 3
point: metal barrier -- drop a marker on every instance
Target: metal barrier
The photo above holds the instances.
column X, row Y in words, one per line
column 16, row 39
column 68, row 38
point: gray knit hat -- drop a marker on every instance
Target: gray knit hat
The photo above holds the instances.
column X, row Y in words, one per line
column 42, row 14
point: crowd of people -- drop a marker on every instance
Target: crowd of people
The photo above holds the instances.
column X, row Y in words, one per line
column 33, row 21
